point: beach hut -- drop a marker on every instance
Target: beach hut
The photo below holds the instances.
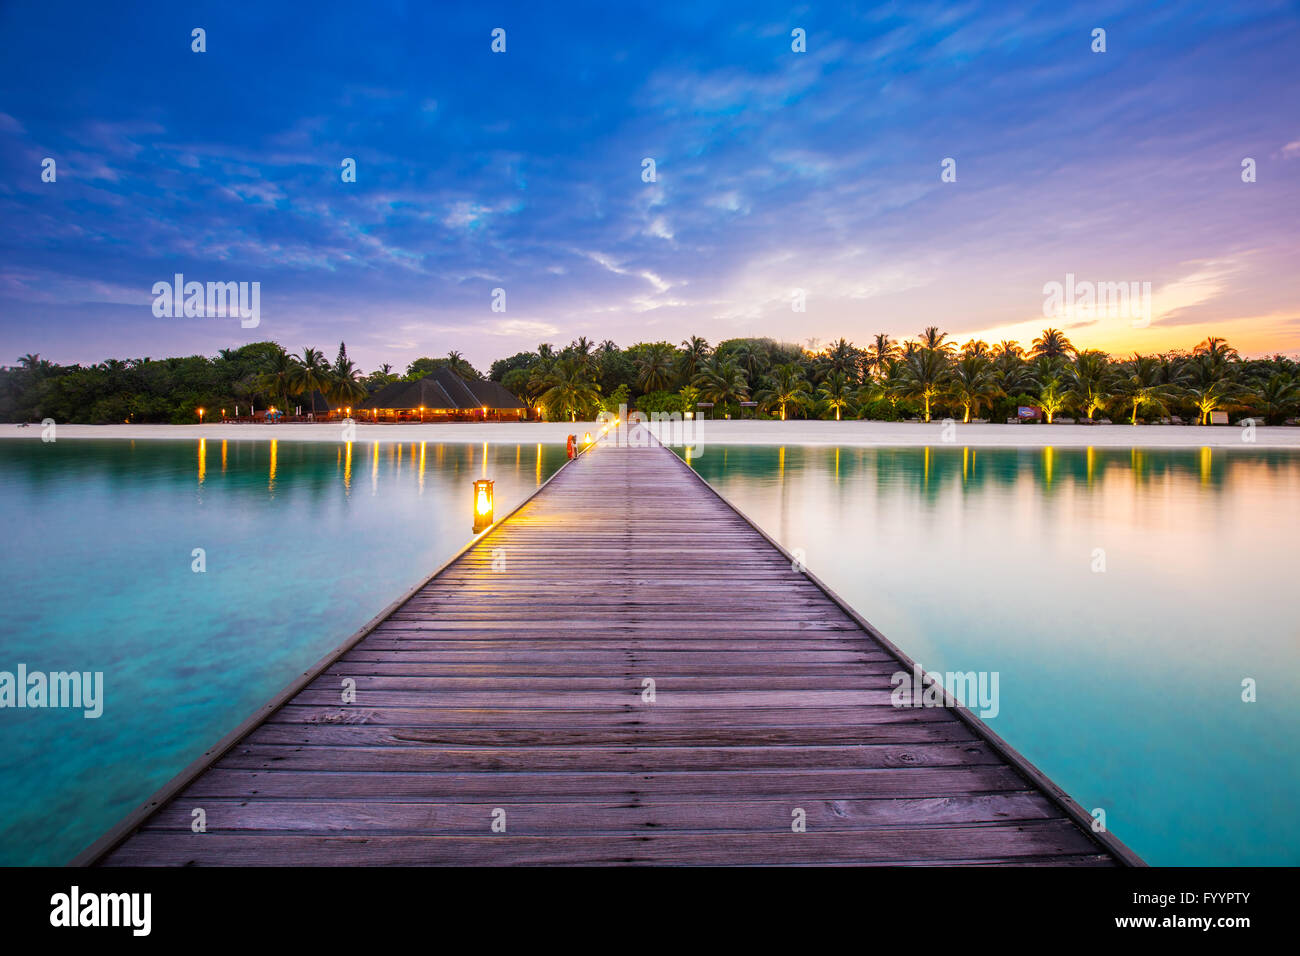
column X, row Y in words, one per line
column 442, row 396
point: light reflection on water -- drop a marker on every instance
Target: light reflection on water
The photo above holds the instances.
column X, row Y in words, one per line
column 1123, row 685
column 300, row 551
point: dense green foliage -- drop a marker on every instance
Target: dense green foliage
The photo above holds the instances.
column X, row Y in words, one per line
column 926, row 378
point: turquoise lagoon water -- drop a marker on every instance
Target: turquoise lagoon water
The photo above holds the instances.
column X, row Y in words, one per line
column 303, row 542
column 1123, row 685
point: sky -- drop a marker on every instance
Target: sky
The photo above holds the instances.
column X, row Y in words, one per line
column 782, row 178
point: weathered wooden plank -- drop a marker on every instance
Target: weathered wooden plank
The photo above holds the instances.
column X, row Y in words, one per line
column 379, row 816
column 879, row 846
column 336, row 759
column 609, row 735
column 634, row 715
column 221, row 781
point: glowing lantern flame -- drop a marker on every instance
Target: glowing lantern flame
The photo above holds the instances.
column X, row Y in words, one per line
column 482, row 505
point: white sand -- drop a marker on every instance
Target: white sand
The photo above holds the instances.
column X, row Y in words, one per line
column 855, row 433
column 847, row 433
column 510, row 433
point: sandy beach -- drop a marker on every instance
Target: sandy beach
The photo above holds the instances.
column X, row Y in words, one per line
column 844, row 434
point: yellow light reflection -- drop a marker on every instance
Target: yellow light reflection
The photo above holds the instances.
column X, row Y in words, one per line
column 275, row 448
column 347, row 470
column 421, row 480
column 374, row 472
column 203, row 460
column 1205, row 465
column 223, row 454
column 1049, row 459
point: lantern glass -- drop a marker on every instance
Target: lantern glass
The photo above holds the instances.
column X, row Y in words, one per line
column 482, row 504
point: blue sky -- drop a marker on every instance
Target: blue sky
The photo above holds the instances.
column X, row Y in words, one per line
column 776, row 171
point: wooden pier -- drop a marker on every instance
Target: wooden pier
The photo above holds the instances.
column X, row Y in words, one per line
column 502, row 716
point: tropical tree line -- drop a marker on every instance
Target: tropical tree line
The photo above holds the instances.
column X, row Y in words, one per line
column 921, row 378
column 917, row 378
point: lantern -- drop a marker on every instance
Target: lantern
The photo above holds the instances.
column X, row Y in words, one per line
column 482, row 504
column 200, row 416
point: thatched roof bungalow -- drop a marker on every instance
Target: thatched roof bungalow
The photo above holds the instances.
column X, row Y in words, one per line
column 442, row 395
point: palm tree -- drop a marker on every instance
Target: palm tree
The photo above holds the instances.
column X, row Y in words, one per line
column 655, row 367
column 893, row 381
column 580, row 350
column 1142, row 387
column 570, row 391
column 1053, row 395
column 345, row 386
column 1092, row 380
column 1051, row 343
column 836, row 391
column 842, row 357
column 310, row 373
column 722, row 381
column 925, row 373
column 787, row 385
column 974, row 382
column 1216, row 347
column 1211, row 397
column 1204, row 368
column 540, row 374
column 934, row 340
column 695, row 352
column 1010, row 369
column 879, row 354
column 1277, row 396
column 868, row 393
column 978, row 348
column 276, row 383
column 751, row 355
column 461, row 366
column 1044, row 367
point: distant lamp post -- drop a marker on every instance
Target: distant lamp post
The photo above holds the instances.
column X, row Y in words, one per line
column 200, row 416
column 482, row 504
column 421, row 414
column 586, row 439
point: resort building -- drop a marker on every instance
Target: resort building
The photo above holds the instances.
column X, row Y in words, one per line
column 442, row 396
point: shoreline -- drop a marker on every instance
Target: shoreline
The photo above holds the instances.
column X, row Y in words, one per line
column 802, row 432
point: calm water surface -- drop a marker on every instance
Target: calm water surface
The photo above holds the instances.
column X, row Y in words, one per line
column 304, row 543
column 1123, row 685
